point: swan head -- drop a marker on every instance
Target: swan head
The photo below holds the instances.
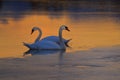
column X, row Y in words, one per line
column 63, row 27
column 34, row 29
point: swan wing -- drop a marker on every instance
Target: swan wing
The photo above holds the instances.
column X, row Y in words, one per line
column 54, row 39
column 45, row 44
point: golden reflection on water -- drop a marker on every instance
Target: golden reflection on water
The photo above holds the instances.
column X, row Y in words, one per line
column 85, row 34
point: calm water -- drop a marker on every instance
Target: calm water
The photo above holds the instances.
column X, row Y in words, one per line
column 89, row 28
column 95, row 34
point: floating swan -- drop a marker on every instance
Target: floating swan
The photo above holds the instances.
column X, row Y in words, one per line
column 49, row 38
column 45, row 44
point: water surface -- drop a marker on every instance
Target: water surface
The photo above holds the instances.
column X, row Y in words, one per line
column 94, row 29
column 90, row 27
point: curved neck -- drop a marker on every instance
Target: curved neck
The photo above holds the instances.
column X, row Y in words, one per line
column 39, row 35
column 62, row 45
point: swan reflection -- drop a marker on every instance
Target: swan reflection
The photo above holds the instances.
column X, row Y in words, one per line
column 42, row 52
column 46, row 58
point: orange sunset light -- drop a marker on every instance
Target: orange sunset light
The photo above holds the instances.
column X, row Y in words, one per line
column 85, row 35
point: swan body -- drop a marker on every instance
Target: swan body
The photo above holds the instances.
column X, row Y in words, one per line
column 56, row 39
column 42, row 45
column 45, row 44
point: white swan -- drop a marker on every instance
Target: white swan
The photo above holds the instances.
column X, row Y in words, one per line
column 45, row 44
column 49, row 38
column 40, row 33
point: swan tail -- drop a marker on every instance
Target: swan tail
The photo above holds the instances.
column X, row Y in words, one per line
column 26, row 44
column 66, row 43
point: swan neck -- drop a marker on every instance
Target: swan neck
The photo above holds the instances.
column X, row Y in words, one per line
column 61, row 39
column 39, row 35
